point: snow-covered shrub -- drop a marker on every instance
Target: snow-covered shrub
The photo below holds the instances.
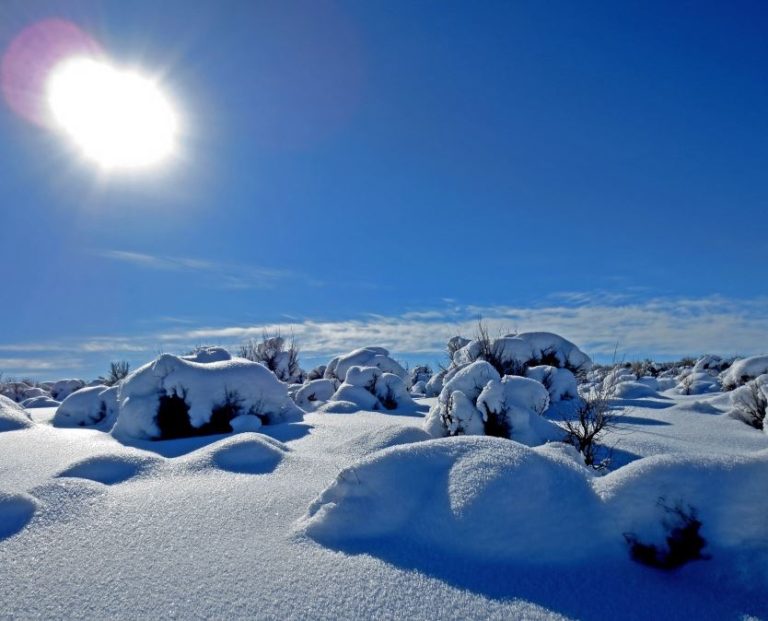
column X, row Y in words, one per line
column 435, row 383
column 118, row 371
column 712, row 364
column 171, row 397
column 18, row 391
column 683, row 542
column 61, row 389
column 744, row 370
column 750, row 402
column 512, row 408
column 88, row 407
column 314, row 392
column 560, row 383
column 316, row 373
column 371, row 389
column 39, row 402
column 513, row 354
column 208, row 353
column 697, row 383
column 279, row 356
column 12, row 415
column 422, row 373
column 419, row 389
column 364, row 357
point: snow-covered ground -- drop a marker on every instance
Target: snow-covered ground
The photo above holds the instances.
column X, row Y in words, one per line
column 257, row 525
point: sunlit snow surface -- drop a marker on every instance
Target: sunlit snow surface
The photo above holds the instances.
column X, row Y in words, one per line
column 221, row 526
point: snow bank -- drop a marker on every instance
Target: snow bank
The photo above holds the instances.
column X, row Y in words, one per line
column 96, row 405
column 744, row 370
column 485, row 499
column 171, row 397
column 364, row 357
column 371, row 389
column 12, row 415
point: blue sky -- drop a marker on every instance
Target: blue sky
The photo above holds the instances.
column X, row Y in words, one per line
column 386, row 172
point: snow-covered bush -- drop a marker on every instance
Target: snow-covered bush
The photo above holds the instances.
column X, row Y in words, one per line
column 435, row 383
column 697, row 383
column 560, row 383
column 12, row 415
column 712, row 364
column 118, row 371
column 419, row 389
column 88, row 407
column 61, row 389
column 422, row 373
column 18, row 391
column 40, row 402
column 314, row 392
column 371, row 389
column 750, row 402
column 364, row 357
column 513, row 354
column 279, row 356
column 171, row 397
column 316, row 373
column 744, row 370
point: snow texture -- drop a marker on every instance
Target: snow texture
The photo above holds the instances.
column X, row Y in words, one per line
column 744, row 370
column 12, row 415
column 364, row 357
column 95, row 405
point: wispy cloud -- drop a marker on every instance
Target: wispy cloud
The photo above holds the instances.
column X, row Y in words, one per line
column 598, row 323
column 224, row 275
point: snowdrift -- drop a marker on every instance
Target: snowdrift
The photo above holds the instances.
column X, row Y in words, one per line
column 364, row 357
column 484, row 499
column 12, row 415
column 172, row 398
column 88, row 407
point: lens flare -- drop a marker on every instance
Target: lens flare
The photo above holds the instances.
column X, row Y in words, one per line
column 116, row 118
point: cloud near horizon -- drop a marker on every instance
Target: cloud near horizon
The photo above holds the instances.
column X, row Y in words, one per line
column 657, row 327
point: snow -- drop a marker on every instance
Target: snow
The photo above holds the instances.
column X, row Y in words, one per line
column 744, row 370
column 263, row 525
column 61, row 389
column 364, row 357
column 95, row 405
column 204, row 387
column 40, row 402
column 560, row 383
column 314, row 393
column 368, row 388
column 12, row 415
column 208, row 353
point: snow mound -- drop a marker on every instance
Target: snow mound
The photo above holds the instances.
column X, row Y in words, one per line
column 744, row 370
column 88, row 407
column 314, row 393
column 711, row 363
column 386, row 437
column 486, row 499
column 477, row 497
column 697, row 383
column 634, row 390
column 39, row 402
column 371, row 389
column 61, row 389
column 12, row 415
column 172, row 398
column 16, row 510
column 364, row 357
column 246, row 453
column 110, row 469
column 208, row 354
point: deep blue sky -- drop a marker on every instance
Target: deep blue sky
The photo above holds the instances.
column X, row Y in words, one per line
column 349, row 158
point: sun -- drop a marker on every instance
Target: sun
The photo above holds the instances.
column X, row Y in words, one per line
column 116, row 118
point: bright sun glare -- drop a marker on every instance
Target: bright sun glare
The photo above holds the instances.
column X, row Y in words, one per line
column 119, row 119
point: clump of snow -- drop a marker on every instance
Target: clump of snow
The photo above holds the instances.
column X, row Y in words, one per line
column 744, row 370
column 208, row 353
column 560, row 383
column 711, row 363
column 12, row 415
column 40, row 402
column 750, row 402
column 419, row 375
column 435, row 383
column 87, row 407
column 419, row 389
column 172, row 397
column 110, row 469
column 61, row 389
column 371, row 389
column 246, row 453
column 364, row 357
column 633, row 390
column 314, row 393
